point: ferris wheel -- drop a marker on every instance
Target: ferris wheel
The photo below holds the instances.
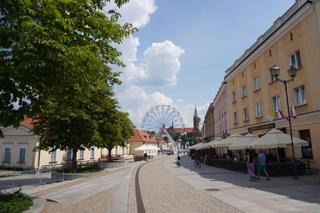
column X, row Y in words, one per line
column 162, row 116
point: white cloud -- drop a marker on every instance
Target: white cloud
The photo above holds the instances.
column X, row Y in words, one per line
column 137, row 102
column 159, row 66
column 137, row 12
column 162, row 63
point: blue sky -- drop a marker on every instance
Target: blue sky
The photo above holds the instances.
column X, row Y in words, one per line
column 205, row 37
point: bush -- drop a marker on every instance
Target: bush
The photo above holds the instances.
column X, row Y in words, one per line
column 240, row 166
column 282, row 169
column 84, row 170
column 14, row 202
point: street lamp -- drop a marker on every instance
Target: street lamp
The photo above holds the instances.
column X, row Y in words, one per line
column 275, row 71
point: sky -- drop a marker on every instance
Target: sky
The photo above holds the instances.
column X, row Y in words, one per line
column 182, row 49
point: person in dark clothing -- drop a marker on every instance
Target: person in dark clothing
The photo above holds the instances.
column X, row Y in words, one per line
column 145, row 156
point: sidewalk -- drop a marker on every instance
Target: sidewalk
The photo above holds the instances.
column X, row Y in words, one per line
column 280, row 194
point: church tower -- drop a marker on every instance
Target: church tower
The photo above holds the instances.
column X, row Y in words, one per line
column 196, row 124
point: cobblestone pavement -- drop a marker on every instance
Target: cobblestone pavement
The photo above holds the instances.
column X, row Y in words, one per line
column 164, row 192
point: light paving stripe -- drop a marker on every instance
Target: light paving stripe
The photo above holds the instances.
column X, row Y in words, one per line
column 79, row 192
column 120, row 203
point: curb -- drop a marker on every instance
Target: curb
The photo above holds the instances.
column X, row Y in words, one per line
column 38, row 204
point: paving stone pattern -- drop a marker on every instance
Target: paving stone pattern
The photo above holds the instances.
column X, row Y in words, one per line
column 164, row 192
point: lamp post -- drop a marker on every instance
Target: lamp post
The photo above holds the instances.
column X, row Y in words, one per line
column 275, row 71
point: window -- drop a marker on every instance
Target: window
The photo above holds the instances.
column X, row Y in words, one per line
column 244, row 91
column 81, row 154
column 306, row 150
column 235, row 117
column 69, row 154
column 258, row 109
column 234, row 97
column 299, row 98
column 92, row 153
column 22, row 155
column 270, row 53
column 7, row 154
column 295, row 60
column 245, row 114
column 53, row 156
column 256, row 84
column 276, row 104
column 272, row 77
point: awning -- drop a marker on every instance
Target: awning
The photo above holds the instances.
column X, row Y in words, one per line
column 276, row 139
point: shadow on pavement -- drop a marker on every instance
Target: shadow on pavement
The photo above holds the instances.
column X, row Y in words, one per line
column 306, row 189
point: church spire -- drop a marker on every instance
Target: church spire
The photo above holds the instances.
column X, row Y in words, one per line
column 195, row 112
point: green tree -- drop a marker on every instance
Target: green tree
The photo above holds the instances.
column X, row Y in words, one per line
column 115, row 129
column 46, row 47
column 55, row 58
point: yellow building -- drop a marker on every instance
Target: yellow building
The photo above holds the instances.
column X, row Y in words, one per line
column 17, row 149
column 209, row 123
column 253, row 94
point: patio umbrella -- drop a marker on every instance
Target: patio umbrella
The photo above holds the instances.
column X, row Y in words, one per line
column 276, row 139
column 244, row 142
column 146, row 147
column 194, row 146
column 214, row 142
column 202, row 146
column 232, row 139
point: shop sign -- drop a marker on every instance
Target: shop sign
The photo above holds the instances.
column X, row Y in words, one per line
column 261, row 127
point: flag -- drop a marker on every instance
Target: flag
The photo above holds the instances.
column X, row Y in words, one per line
column 271, row 115
column 280, row 114
column 293, row 112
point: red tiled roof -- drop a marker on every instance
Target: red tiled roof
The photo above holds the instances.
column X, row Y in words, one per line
column 141, row 136
column 28, row 123
column 182, row 130
column 161, row 141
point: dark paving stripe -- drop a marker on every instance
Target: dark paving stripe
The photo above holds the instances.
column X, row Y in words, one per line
column 140, row 205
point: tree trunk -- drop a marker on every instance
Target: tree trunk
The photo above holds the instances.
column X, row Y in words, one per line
column 109, row 154
column 74, row 158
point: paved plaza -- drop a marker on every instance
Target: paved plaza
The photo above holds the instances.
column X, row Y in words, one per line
column 159, row 185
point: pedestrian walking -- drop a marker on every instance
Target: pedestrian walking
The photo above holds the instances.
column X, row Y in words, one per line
column 178, row 161
column 262, row 165
column 250, row 166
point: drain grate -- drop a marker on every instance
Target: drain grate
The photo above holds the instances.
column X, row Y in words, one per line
column 212, row 189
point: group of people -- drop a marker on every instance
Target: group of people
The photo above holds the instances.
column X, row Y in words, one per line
column 261, row 165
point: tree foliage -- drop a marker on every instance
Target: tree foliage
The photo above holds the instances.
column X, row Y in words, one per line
column 116, row 132
column 46, row 47
column 55, row 58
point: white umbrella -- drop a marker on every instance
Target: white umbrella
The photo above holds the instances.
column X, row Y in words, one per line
column 232, row 139
column 195, row 146
column 202, row 146
column 214, row 142
column 276, row 139
column 145, row 147
column 244, row 142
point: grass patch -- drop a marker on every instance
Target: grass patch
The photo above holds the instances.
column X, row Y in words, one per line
column 83, row 170
column 14, row 202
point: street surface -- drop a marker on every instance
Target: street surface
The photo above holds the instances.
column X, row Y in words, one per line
column 160, row 186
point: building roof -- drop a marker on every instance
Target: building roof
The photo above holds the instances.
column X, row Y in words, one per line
column 299, row 4
column 28, row 123
column 182, row 130
column 141, row 136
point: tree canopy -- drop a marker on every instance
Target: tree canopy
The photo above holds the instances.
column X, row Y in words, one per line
column 55, row 66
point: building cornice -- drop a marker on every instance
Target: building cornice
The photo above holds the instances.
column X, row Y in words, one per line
column 281, row 26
